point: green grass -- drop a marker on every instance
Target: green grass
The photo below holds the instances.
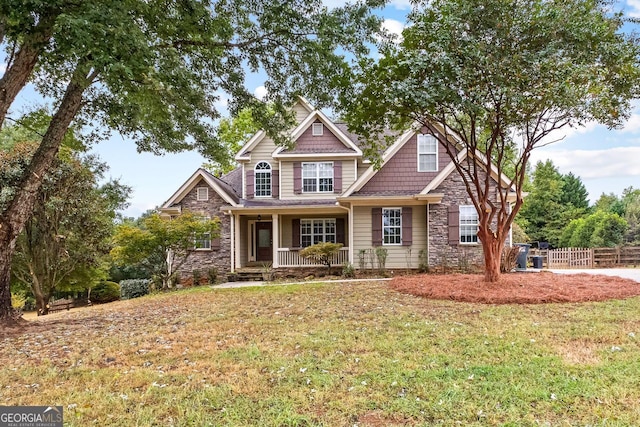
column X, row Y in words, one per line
column 329, row 355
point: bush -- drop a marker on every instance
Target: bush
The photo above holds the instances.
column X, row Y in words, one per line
column 105, row 292
column 322, row 253
column 18, row 301
column 134, row 288
column 212, row 275
column 348, row 271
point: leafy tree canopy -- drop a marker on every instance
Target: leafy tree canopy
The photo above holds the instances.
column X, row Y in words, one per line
column 155, row 70
column 160, row 245
column 495, row 72
column 233, row 133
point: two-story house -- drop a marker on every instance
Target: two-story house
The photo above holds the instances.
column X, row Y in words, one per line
column 322, row 190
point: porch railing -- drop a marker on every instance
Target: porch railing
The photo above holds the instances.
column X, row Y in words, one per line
column 291, row 258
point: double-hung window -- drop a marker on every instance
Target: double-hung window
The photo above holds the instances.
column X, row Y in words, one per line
column 202, row 241
column 427, row 153
column 314, row 231
column 317, row 177
column 468, row 224
column 263, row 180
column 392, row 226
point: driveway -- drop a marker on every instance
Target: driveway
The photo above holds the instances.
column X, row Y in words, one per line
column 627, row 273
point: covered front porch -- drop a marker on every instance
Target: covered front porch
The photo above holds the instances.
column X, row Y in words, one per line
column 274, row 237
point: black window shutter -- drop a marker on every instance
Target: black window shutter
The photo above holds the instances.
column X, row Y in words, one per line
column 454, row 225
column 295, row 233
column 215, row 243
column 337, row 177
column 376, row 226
column 250, row 184
column 340, row 231
column 297, row 178
column 407, row 226
column 275, row 184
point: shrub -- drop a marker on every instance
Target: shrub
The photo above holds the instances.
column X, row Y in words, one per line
column 197, row 277
column 105, row 292
column 381, row 255
column 134, row 288
column 212, row 275
column 509, row 259
column 322, row 253
column 18, row 301
column 348, row 271
column 423, row 261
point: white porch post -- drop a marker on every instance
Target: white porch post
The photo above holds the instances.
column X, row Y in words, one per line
column 237, row 241
column 351, row 234
column 276, row 239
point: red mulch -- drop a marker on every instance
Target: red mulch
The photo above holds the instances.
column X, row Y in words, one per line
column 518, row 288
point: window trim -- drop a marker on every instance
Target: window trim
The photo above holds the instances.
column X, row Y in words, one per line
column 461, row 226
column 257, row 172
column 317, row 177
column 206, row 194
column 399, row 227
column 206, row 247
column 317, row 129
column 427, row 153
column 324, row 230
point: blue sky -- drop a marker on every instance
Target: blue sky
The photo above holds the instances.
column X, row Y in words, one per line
column 606, row 160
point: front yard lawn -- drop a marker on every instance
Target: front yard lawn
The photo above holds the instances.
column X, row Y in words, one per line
column 329, row 354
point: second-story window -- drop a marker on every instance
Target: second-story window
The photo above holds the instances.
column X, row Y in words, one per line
column 317, row 177
column 263, row 180
column 427, row 153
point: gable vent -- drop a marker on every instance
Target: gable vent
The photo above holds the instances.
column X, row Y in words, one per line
column 317, row 129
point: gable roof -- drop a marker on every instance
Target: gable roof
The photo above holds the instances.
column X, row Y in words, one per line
column 246, row 149
column 224, row 189
column 350, row 147
column 436, row 181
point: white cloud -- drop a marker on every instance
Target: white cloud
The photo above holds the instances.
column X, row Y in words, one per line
column 614, row 162
column 260, row 92
column 403, row 4
column 397, row 4
column 393, row 27
column 634, row 8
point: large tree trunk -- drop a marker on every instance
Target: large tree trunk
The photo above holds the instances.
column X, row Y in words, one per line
column 7, row 314
column 20, row 69
column 492, row 247
column 19, row 210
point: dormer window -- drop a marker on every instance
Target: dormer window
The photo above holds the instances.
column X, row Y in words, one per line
column 317, row 129
column 202, row 194
column 263, row 180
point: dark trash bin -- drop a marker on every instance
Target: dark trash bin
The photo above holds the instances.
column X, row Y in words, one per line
column 537, row 261
column 521, row 261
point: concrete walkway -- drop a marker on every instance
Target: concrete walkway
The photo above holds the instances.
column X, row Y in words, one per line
column 230, row 285
column 626, row 273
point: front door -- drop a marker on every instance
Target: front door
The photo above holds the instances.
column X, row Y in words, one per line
column 264, row 243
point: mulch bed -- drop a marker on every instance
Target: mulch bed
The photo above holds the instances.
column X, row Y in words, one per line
column 518, row 288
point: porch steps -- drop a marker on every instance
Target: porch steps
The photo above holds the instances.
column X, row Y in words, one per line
column 249, row 274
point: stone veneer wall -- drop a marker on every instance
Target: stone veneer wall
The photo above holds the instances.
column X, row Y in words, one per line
column 442, row 255
column 203, row 260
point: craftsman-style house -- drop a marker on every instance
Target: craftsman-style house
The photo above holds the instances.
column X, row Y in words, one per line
column 280, row 200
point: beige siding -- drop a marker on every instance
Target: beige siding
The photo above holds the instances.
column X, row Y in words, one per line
column 262, row 152
column 398, row 256
column 300, row 112
column 286, row 177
